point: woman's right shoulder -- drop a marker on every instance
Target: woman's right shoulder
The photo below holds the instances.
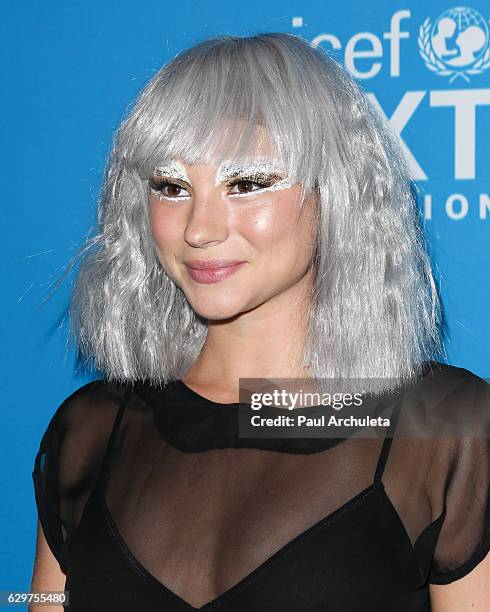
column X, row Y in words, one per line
column 84, row 418
column 89, row 401
column 70, row 456
column 96, row 390
column 75, row 439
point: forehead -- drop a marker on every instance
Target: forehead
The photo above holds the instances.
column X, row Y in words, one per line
column 255, row 140
column 233, row 141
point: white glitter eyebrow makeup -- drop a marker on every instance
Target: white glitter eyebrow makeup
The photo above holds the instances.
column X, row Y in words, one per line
column 174, row 169
column 254, row 167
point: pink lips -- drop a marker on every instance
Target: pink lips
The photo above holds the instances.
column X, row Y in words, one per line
column 212, row 270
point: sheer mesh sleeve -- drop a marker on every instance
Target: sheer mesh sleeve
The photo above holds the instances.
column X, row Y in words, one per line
column 69, row 458
column 464, row 537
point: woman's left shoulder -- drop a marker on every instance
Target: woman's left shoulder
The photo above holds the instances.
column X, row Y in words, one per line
column 455, row 404
column 444, row 373
column 450, row 400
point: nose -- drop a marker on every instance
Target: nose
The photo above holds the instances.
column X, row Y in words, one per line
column 208, row 221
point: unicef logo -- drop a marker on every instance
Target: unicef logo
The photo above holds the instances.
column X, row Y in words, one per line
column 457, row 45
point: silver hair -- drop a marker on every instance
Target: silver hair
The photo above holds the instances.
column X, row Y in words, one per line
column 375, row 311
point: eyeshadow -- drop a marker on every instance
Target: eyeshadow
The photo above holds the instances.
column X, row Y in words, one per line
column 258, row 167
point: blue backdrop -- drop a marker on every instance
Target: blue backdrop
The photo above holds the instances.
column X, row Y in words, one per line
column 70, row 69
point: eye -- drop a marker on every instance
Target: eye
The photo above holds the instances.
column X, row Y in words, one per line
column 245, row 184
column 165, row 188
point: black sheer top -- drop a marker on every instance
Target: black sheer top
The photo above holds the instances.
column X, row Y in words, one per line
column 150, row 501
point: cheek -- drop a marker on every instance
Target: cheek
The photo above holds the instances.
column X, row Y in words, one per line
column 274, row 226
column 165, row 228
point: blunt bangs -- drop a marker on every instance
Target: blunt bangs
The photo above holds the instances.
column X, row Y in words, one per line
column 215, row 101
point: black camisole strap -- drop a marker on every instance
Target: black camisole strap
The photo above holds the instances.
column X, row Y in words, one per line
column 115, row 428
column 385, row 449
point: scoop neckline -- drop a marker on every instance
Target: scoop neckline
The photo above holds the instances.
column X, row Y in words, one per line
column 193, row 423
column 205, row 400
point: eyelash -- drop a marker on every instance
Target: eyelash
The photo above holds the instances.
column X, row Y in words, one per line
column 262, row 181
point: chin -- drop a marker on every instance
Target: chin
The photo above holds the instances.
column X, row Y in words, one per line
column 216, row 310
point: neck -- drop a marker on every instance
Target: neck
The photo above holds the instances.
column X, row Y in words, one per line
column 264, row 342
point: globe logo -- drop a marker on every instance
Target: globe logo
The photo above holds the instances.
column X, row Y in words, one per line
column 457, row 44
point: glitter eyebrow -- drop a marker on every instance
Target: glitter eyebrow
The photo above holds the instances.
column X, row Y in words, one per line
column 173, row 168
column 228, row 169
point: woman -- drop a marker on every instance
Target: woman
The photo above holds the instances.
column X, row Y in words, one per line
column 257, row 220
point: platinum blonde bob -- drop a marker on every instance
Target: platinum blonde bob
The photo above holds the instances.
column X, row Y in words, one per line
column 375, row 312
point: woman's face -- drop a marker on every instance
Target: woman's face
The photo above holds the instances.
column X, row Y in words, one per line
column 247, row 214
